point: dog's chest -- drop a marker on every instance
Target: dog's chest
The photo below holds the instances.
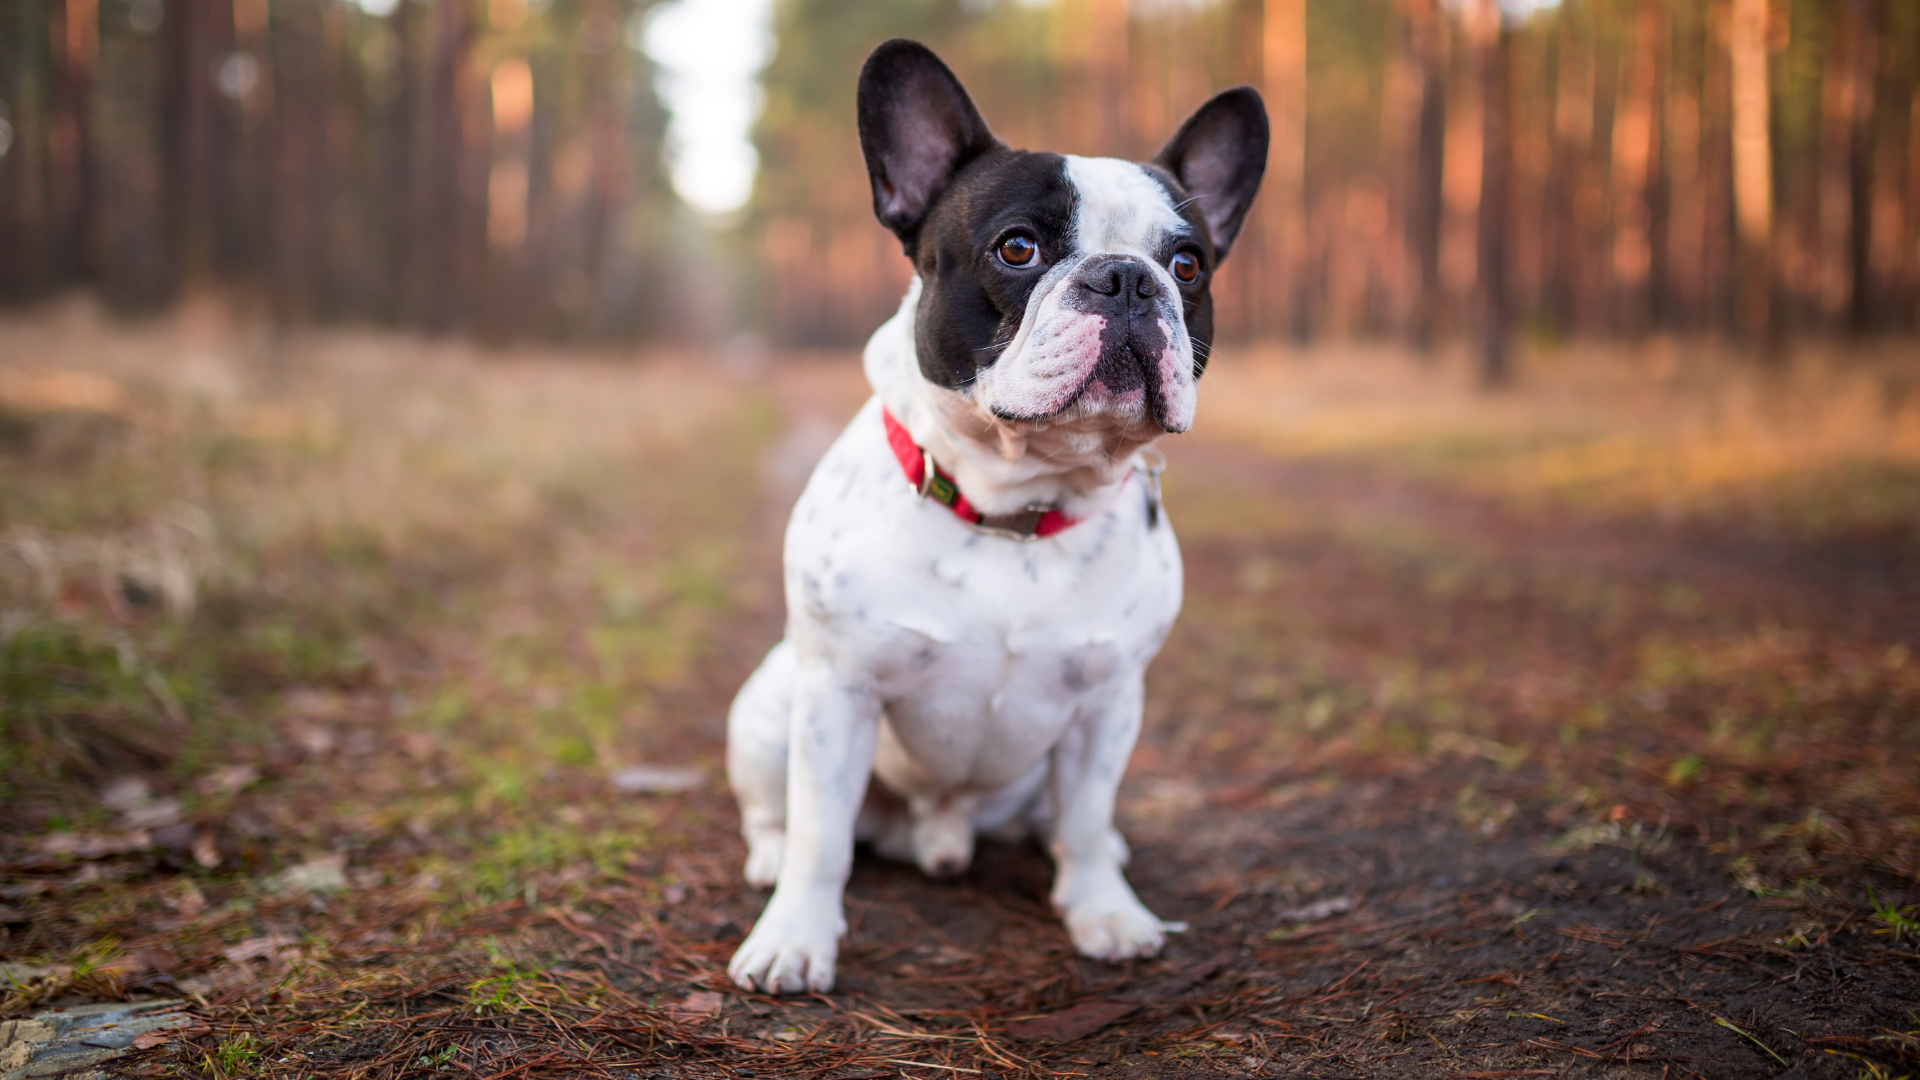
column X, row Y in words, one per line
column 982, row 648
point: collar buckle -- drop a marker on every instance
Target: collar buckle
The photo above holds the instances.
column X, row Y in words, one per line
column 927, row 473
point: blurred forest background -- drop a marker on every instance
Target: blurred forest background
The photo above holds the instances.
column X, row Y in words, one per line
column 1597, row 168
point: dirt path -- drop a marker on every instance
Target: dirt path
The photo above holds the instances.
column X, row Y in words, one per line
column 1443, row 786
column 1414, row 900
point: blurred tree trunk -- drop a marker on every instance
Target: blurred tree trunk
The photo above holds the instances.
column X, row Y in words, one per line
column 131, row 237
column 300, row 166
column 1752, row 171
column 1719, row 236
column 22, row 172
column 248, row 216
column 1241, row 296
column 1834, row 190
column 1892, row 243
column 76, row 42
column 1284, row 82
column 200, row 64
column 1682, row 302
column 1424, row 147
column 607, row 134
column 1866, row 19
column 395, row 230
column 1635, row 154
column 1910, row 249
column 1530, row 157
column 439, row 146
column 508, row 192
column 1572, row 149
column 1492, row 58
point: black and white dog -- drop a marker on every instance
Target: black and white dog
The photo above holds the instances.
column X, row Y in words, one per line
column 979, row 571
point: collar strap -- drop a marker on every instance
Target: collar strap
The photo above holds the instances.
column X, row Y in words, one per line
column 929, row 482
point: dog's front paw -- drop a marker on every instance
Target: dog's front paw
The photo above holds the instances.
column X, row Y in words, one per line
column 1118, row 932
column 787, row 955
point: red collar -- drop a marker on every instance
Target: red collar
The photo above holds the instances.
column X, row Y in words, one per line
column 930, row 483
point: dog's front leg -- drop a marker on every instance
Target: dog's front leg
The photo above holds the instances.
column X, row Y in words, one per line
column 1103, row 916
column 830, row 757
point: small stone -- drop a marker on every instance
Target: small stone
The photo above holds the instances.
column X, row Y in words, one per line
column 268, row 946
column 206, row 851
column 226, row 781
column 1318, row 910
column 127, row 794
column 699, row 1005
column 327, row 873
column 95, row 845
column 154, row 815
column 656, row 779
column 24, row 1031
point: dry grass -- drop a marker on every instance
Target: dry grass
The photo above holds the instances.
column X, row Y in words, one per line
column 263, row 537
column 1828, row 442
column 374, row 620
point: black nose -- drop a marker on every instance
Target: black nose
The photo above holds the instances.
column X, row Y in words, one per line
column 1118, row 276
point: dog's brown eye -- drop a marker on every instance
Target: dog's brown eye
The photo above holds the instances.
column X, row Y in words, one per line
column 1019, row 251
column 1185, row 267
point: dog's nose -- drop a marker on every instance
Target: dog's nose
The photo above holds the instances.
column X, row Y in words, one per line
column 1119, row 275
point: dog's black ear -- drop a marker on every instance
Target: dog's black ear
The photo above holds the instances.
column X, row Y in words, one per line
column 917, row 128
column 1219, row 155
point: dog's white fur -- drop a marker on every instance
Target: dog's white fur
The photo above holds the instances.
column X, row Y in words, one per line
column 990, row 685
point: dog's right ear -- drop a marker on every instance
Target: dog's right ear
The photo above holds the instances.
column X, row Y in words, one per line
column 917, row 128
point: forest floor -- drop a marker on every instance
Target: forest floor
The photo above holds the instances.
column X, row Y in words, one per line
column 367, row 695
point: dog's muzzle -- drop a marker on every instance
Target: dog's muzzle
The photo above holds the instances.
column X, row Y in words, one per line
column 1125, row 292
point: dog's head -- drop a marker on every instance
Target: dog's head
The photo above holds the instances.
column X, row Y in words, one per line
column 1055, row 287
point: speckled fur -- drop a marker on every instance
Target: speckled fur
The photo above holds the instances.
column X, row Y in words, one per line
column 988, row 684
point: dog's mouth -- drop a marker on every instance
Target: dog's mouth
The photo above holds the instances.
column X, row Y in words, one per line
column 1133, row 369
column 1127, row 382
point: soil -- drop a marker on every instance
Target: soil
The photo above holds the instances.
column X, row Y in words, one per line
column 1365, row 894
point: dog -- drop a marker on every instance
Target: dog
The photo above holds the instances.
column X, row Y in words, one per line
column 979, row 569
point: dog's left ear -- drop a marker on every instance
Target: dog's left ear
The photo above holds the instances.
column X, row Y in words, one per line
column 917, row 128
column 1219, row 155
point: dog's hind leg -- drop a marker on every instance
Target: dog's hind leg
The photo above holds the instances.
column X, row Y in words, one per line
column 885, row 822
column 757, row 733
column 911, row 816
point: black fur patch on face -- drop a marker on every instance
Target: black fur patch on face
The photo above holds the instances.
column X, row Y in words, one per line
column 971, row 303
column 1196, row 299
column 953, row 193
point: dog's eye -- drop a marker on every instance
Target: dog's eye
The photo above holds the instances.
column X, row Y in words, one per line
column 1186, row 267
column 1019, row 250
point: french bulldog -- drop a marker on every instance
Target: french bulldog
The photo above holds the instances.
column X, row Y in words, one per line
column 979, row 569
